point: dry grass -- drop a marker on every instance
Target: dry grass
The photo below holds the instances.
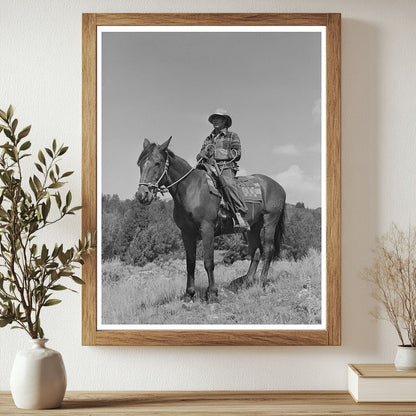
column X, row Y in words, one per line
column 152, row 294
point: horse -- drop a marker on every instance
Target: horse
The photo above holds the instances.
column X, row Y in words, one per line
column 196, row 214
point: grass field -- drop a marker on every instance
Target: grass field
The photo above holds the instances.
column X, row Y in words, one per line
column 152, row 294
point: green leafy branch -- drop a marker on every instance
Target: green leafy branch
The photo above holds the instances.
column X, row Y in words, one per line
column 31, row 274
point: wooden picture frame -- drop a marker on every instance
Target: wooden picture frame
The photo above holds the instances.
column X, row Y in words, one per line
column 331, row 334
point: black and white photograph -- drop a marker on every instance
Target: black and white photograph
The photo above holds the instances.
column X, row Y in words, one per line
column 211, row 177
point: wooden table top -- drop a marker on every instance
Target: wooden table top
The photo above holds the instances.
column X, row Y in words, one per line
column 212, row 403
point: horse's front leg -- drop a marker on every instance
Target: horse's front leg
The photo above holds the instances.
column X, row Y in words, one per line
column 189, row 242
column 207, row 235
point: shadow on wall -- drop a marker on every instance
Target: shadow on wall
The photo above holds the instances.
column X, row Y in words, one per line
column 360, row 180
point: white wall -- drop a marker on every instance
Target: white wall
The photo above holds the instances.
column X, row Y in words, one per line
column 40, row 73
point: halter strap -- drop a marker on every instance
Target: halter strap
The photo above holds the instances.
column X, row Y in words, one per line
column 163, row 189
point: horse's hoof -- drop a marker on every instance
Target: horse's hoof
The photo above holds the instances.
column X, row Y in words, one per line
column 212, row 296
column 238, row 284
column 187, row 306
column 267, row 283
column 187, row 298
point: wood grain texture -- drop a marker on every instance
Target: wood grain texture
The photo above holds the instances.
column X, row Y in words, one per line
column 211, row 19
column 330, row 336
column 333, row 177
column 380, row 371
column 212, row 338
column 266, row 403
column 89, row 172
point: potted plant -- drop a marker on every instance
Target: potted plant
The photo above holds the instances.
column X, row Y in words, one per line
column 393, row 277
column 31, row 273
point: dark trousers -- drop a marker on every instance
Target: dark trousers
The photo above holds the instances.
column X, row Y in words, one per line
column 232, row 190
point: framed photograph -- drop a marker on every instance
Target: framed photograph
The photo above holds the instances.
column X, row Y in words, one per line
column 211, row 172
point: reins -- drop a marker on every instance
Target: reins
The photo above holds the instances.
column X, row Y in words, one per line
column 155, row 188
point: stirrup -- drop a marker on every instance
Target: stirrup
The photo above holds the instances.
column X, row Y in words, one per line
column 222, row 213
column 242, row 223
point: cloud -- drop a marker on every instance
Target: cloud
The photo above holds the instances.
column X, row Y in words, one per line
column 316, row 110
column 315, row 148
column 300, row 187
column 294, row 151
column 286, row 150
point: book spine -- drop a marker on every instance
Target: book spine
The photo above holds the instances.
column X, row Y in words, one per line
column 353, row 381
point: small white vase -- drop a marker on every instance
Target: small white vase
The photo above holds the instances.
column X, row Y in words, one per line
column 38, row 378
column 405, row 358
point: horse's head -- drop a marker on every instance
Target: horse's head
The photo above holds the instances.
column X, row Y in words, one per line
column 153, row 168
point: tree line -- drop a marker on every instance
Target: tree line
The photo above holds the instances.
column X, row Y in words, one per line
column 139, row 234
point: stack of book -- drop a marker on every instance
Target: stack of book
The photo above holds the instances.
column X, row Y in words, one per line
column 381, row 383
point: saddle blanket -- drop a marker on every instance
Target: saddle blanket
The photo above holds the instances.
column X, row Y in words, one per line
column 250, row 188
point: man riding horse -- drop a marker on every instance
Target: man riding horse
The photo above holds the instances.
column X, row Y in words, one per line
column 222, row 149
column 196, row 208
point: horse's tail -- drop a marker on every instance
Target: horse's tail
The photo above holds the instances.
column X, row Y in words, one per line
column 279, row 233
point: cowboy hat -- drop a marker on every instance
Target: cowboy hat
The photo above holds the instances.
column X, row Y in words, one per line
column 222, row 113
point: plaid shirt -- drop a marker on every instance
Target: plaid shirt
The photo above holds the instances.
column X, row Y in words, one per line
column 225, row 147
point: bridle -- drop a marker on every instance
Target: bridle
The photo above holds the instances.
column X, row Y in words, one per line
column 155, row 188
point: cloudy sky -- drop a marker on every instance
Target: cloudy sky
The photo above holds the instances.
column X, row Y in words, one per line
column 156, row 85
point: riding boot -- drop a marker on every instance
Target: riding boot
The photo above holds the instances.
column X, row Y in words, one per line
column 242, row 223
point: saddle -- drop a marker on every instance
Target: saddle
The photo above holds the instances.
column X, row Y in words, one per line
column 249, row 185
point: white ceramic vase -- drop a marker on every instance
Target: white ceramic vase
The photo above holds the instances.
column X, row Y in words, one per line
column 405, row 358
column 38, row 378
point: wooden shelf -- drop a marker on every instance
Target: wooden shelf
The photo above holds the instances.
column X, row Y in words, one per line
column 212, row 403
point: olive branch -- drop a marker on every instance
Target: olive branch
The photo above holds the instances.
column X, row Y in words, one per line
column 30, row 273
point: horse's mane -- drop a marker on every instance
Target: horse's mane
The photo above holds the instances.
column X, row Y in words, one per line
column 174, row 157
column 149, row 149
